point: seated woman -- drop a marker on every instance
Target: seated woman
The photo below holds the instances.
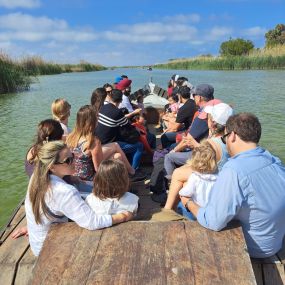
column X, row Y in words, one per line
column 48, row 130
column 87, row 148
column 217, row 117
column 51, row 200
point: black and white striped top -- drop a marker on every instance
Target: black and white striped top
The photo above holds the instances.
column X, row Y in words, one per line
column 111, row 118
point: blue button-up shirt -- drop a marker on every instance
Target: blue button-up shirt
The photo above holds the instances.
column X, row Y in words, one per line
column 250, row 188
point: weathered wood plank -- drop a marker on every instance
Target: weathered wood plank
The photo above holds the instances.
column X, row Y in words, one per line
column 19, row 216
column 142, row 253
column 220, row 257
column 10, row 254
column 25, row 268
column 67, row 255
column 257, row 269
column 281, row 253
column 273, row 274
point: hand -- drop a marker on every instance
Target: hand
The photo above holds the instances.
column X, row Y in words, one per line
column 184, row 200
column 23, row 231
column 137, row 111
column 127, row 216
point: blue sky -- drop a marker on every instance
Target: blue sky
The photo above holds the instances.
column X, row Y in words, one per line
column 131, row 32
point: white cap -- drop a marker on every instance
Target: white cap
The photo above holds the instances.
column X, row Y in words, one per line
column 220, row 112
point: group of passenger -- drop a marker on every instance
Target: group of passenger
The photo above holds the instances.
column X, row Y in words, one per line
column 210, row 156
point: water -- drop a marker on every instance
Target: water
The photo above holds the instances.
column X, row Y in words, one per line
column 260, row 92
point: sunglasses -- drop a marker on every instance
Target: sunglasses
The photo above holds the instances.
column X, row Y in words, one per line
column 67, row 161
column 109, row 91
column 223, row 138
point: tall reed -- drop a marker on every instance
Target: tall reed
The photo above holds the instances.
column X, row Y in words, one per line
column 13, row 76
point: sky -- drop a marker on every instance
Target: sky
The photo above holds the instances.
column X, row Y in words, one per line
column 131, row 32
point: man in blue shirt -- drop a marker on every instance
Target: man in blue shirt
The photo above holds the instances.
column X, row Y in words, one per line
column 250, row 188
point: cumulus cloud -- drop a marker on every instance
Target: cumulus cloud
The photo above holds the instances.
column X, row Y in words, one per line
column 11, row 4
column 255, row 32
column 19, row 26
column 152, row 32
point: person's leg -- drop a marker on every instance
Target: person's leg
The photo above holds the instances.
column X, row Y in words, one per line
column 151, row 140
column 113, row 150
column 174, row 159
column 182, row 211
column 179, row 177
column 136, row 150
column 167, row 139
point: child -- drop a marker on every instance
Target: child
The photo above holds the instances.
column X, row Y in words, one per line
column 140, row 103
column 203, row 177
column 148, row 139
column 60, row 109
column 110, row 195
column 170, row 111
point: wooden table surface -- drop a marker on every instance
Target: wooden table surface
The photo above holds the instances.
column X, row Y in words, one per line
column 143, row 253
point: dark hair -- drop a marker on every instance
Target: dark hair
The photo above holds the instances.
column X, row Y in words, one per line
column 184, row 91
column 111, row 179
column 98, row 97
column 105, row 86
column 48, row 130
column 116, row 96
column 174, row 97
column 181, row 80
column 124, row 76
column 246, row 126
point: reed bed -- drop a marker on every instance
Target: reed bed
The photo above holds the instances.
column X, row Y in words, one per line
column 273, row 58
column 13, row 77
column 17, row 75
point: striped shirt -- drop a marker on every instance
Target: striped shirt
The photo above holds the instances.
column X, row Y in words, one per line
column 111, row 118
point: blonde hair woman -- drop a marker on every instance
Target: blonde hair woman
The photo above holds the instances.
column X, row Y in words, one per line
column 60, row 109
column 87, row 148
column 51, row 200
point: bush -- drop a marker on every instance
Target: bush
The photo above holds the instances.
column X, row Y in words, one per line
column 236, row 47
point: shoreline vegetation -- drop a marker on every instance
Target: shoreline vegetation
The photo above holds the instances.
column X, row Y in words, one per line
column 17, row 75
column 257, row 59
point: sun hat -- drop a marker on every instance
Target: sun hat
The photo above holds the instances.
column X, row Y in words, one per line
column 204, row 90
column 123, row 84
column 118, row 79
column 220, row 112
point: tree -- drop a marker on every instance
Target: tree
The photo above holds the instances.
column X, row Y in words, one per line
column 234, row 47
column 276, row 36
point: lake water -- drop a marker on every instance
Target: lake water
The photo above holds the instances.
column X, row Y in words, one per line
column 260, row 92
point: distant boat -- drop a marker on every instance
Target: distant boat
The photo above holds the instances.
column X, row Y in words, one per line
column 149, row 68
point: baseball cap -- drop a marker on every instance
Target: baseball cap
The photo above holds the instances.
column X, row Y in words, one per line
column 220, row 112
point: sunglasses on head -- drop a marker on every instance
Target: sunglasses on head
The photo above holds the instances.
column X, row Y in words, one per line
column 67, row 161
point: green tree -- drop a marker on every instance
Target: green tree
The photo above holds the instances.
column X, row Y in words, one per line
column 235, row 47
column 275, row 36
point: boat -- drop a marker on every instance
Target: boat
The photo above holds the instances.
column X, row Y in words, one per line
column 18, row 263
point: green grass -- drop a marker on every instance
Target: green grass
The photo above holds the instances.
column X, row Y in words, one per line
column 273, row 58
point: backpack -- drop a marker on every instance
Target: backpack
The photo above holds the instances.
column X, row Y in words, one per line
column 158, row 182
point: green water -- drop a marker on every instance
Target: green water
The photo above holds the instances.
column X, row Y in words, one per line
column 260, row 92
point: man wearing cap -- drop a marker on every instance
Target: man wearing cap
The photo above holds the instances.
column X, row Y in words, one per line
column 125, row 86
column 250, row 189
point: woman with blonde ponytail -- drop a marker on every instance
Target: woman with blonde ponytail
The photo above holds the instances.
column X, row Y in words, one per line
column 51, row 200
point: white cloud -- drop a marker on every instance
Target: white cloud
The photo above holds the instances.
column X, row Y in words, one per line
column 11, row 4
column 255, row 32
column 152, row 32
column 183, row 18
column 19, row 26
column 217, row 33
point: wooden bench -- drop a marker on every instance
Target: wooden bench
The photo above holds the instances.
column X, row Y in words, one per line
column 270, row 271
column 143, row 253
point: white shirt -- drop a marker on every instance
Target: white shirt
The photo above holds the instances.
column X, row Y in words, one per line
column 128, row 202
column 62, row 200
column 66, row 129
column 126, row 104
column 198, row 187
